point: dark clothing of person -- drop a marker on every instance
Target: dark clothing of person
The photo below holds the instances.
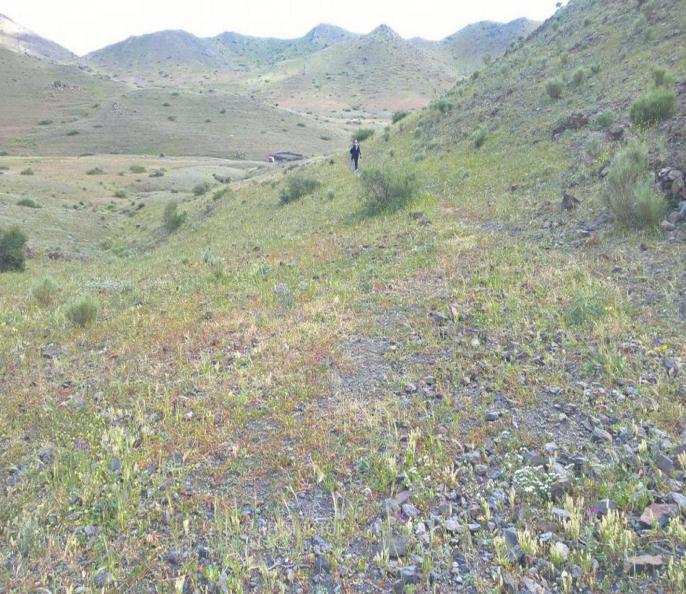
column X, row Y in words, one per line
column 355, row 154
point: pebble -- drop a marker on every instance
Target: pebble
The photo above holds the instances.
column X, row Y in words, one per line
column 601, row 435
column 103, row 580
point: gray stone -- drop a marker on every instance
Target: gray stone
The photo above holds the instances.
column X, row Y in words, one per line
column 679, row 499
column 601, row 435
column 396, row 547
column 658, row 513
column 664, row 463
column 603, row 506
column 46, row 455
column 104, row 580
column 642, row 564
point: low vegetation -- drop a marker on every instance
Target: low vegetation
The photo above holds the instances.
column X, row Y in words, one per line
column 653, row 107
column 363, row 134
column 297, row 187
column 83, row 311
column 387, row 189
column 172, row 218
column 630, row 191
column 12, row 249
column 45, row 291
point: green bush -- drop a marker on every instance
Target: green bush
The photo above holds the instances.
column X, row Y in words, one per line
column 172, row 218
column 27, row 171
column 443, row 106
column 12, row 249
column 28, row 203
column 363, row 134
column 479, row 137
column 662, row 78
column 45, row 122
column 298, row 187
column 604, row 120
column 44, row 291
column 83, row 311
column 554, row 88
column 655, row 106
column 399, row 115
column 137, row 169
column 201, row 189
column 120, row 194
column 95, row 171
column 579, row 76
column 386, row 189
column 630, row 193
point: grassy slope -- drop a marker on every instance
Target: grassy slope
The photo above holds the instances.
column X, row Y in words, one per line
column 244, row 388
column 379, row 72
column 93, row 115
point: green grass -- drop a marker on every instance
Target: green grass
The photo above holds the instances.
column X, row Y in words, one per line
column 246, row 383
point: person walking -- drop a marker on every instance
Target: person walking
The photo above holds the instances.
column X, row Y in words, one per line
column 356, row 153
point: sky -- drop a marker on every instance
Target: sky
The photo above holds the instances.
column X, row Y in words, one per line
column 86, row 25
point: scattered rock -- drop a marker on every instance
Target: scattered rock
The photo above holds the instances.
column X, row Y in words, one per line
column 679, row 500
column 664, row 463
column 601, row 435
column 396, row 547
column 576, row 121
column 104, row 580
column 658, row 513
column 46, row 455
column 604, row 506
column 642, row 564
column 562, row 550
column 569, row 202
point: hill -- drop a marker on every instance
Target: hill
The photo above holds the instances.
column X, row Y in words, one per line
column 279, row 387
column 470, row 46
column 19, row 39
column 177, row 54
column 377, row 72
column 58, row 109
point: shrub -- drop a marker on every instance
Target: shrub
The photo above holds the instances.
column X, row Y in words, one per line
column 655, row 106
column 443, row 106
column 662, row 78
column 120, row 194
column 201, row 189
column 594, row 145
column 44, row 291
column 28, row 203
column 554, row 88
column 331, row 193
column 73, row 133
column 298, row 187
column 604, row 120
column 27, row 171
column 399, row 115
column 83, row 311
column 579, row 76
column 12, row 249
column 387, row 190
column 45, row 122
column 172, row 218
column 95, row 171
column 363, row 134
column 479, row 137
column 137, row 169
column 630, row 193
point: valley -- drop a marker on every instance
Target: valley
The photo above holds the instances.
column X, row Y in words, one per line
column 460, row 370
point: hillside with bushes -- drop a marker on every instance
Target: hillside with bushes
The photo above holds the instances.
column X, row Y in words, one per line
column 458, row 371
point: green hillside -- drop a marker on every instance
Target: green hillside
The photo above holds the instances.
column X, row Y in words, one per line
column 378, row 72
column 53, row 109
column 281, row 386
